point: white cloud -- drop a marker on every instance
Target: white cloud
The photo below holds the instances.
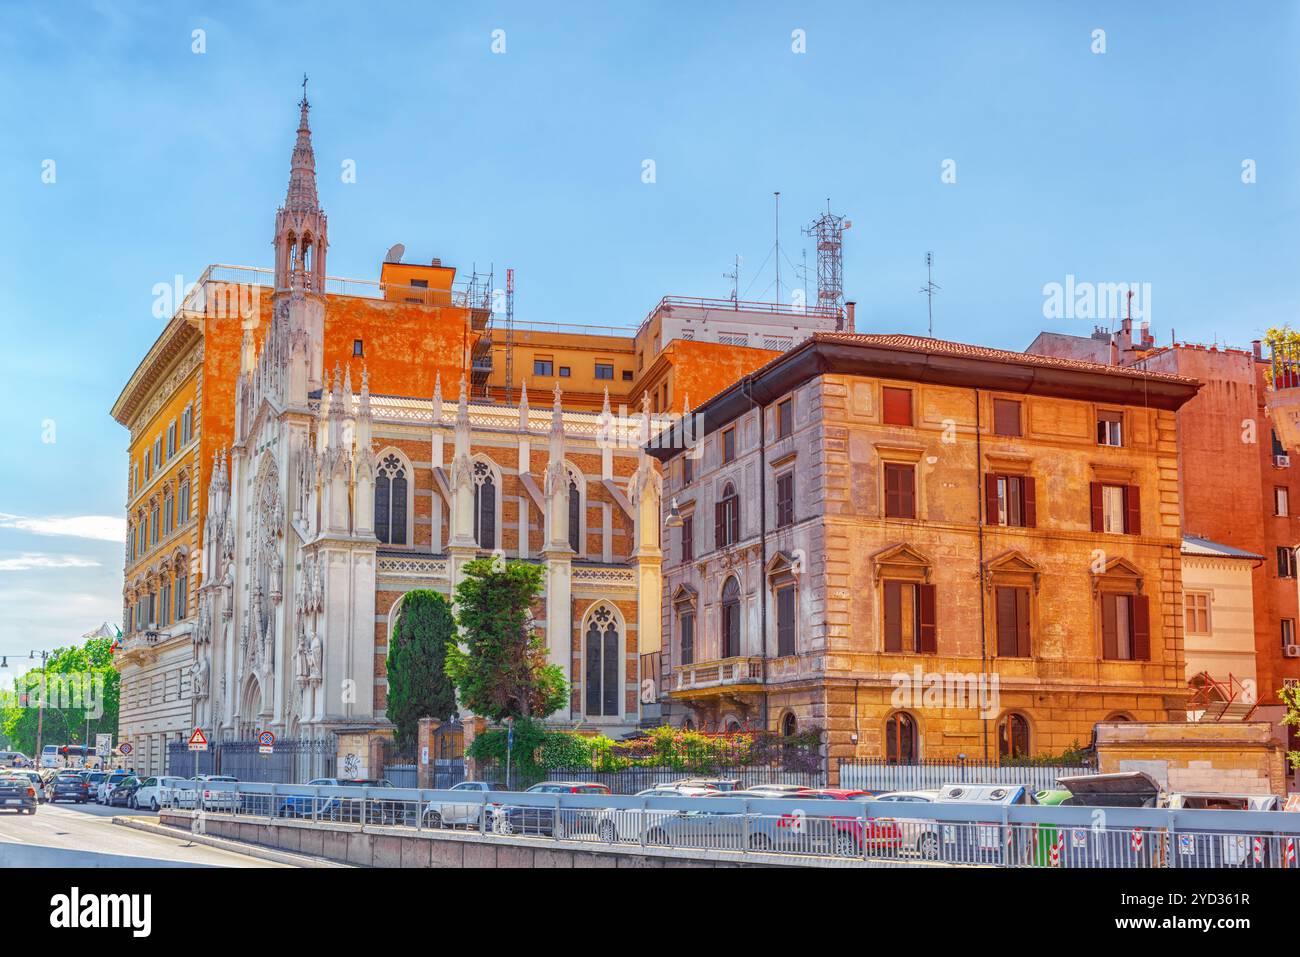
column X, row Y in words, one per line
column 32, row 560
column 103, row 528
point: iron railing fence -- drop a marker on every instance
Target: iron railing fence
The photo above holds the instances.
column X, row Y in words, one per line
column 877, row 774
column 820, row 832
column 290, row 760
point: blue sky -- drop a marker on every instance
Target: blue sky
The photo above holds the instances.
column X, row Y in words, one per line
column 1123, row 166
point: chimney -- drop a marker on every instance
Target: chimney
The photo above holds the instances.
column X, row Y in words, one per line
column 436, row 261
column 1257, row 347
column 850, row 309
column 1148, row 340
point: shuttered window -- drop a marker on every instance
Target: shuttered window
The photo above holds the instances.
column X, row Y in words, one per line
column 687, row 620
column 784, row 418
column 688, row 538
column 785, row 610
column 897, row 406
column 726, row 518
column 1125, row 627
column 1012, row 614
column 785, row 500
column 1116, row 508
column 1010, row 500
column 910, row 617
column 1006, row 417
column 900, row 491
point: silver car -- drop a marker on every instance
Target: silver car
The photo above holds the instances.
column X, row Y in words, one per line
column 920, row 837
column 464, row 813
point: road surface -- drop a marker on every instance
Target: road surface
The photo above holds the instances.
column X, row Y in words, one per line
column 84, row 835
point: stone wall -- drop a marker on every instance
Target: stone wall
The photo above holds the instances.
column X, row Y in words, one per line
column 1239, row 757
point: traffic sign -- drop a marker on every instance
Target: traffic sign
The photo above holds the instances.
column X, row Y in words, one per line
column 103, row 745
column 197, row 741
column 125, row 748
column 265, row 742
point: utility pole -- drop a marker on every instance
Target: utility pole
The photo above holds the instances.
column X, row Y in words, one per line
column 777, row 257
column 40, row 705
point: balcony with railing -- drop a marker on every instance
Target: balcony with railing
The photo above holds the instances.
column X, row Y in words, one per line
column 718, row 673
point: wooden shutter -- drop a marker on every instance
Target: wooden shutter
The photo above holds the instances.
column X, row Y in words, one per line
column 733, row 514
column 907, row 491
column 1005, row 610
column 1109, row 628
column 1098, row 515
column 719, row 525
column 1141, row 628
column 897, row 406
column 990, row 498
column 893, row 616
column 1029, row 510
column 929, row 640
column 785, row 621
column 1022, row 622
column 1132, row 510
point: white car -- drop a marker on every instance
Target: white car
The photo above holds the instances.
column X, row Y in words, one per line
column 922, row 837
column 627, row 824
column 464, row 813
column 155, row 793
column 107, row 783
column 218, row 800
column 35, row 777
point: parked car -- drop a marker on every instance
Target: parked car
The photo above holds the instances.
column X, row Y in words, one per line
column 627, row 824
column 711, row 784
column 775, row 790
column 544, row 820
column 17, row 794
column 920, row 837
column 347, row 810
column 14, row 759
column 217, row 799
column 106, row 784
column 123, row 793
column 155, row 792
column 69, row 787
column 463, row 813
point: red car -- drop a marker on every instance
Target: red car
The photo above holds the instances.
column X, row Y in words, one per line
column 882, row 834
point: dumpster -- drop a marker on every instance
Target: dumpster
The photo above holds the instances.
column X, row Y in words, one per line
column 986, row 842
column 1207, row 849
column 1099, row 845
column 1049, row 843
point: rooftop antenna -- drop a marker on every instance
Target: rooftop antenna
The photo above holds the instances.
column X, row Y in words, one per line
column 777, row 257
column 930, row 288
column 734, row 276
column 827, row 231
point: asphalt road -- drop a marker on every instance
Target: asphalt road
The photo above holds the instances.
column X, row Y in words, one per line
column 84, row 835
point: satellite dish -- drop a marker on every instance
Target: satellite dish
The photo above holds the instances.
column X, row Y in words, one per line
column 395, row 254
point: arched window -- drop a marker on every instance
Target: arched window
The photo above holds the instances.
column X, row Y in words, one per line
column 900, row 738
column 726, row 517
column 485, row 506
column 604, row 661
column 731, row 619
column 789, row 725
column 575, row 516
column 1013, row 736
column 390, row 500
column 733, row 726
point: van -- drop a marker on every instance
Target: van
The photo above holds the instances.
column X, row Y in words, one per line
column 14, row 759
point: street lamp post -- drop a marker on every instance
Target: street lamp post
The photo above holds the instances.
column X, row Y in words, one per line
column 40, row 705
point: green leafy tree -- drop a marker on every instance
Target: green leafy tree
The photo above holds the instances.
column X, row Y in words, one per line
column 418, row 686
column 70, row 718
column 1290, row 696
column 502, row 671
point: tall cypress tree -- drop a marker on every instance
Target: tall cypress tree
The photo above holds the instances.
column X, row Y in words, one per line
column 418, row 687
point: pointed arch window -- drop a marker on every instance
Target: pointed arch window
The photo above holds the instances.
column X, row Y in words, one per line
column 1013, row 737
column 575, row 516
column 485, row 506
column 731, row 619
column 391, row 487
column 726, row 518
column 603, row 664
column 900, row 738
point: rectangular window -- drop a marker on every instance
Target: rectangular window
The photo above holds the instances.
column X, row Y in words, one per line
column 784, row 418
column 1196, row 608
column 183, row 513
column 1288, row 632
column 1012, row 614
column 187, row 425
column 165, row 606
column 158, row 452
column 900, row 491
column 1125, row 627
column 909, row 617
column 785, row 500
column 565, row 372
column 785, row 621
column 171, row 440
column 544, row 367
column 148, row 466
column 1006, row 417
column 1281, row 501
column 1116, row 509
column 688, row 538
column 168, row 517
column 605, row 370
column 1110, row 428
column 181, row 597
column 729, row 445
column 1285, row 562
column 1278, row 448
column 688, row 469
column 358, row 347
column 688, row 637
column 627, row 376
column 1010, row 500
column 897, row 405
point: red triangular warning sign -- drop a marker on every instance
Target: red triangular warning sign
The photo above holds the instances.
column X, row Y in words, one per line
column 197, row 737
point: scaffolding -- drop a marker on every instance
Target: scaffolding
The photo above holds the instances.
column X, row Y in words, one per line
column 510, row 335
column 478, row 302
column 827, row 230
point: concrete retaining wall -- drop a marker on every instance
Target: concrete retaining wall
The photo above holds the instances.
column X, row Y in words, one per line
column 374, row 846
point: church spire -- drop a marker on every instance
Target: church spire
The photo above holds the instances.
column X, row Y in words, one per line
column 302, row 167
column 300, row 229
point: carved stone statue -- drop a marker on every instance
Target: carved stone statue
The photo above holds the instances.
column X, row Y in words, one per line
column 301, row 657
column 199, row 678
column 315, row 659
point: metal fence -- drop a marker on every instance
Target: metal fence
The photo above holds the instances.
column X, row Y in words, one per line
column 877, row 774
column 817, row 832
column 289, row 761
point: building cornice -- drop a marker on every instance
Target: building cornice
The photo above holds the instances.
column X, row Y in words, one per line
column 177, row 339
